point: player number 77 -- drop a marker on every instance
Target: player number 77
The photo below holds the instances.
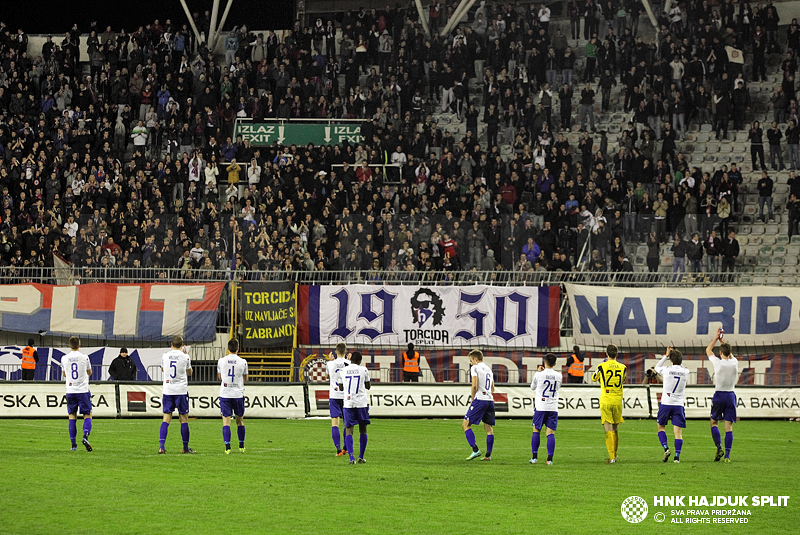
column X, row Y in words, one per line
column 350, row 383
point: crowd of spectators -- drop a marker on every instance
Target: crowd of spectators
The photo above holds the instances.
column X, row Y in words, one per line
column 130, row 160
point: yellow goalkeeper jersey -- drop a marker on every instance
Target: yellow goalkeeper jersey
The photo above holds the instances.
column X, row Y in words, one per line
column 611, row 375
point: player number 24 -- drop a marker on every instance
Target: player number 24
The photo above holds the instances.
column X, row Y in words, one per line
column 549, row 387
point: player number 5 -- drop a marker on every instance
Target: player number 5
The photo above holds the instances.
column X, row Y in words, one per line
column 174, row 370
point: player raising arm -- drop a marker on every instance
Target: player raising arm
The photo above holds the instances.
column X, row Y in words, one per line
column 482, row 407
column 723, row 404
column 546, row 383
column 76, row 369
column 176, row 368
column 611, row 375
column 673, row 399
column 335, row 395
column 232, row 373
column 355, row 383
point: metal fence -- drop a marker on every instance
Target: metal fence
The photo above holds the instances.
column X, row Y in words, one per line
column 208, row 373
column 49, row 275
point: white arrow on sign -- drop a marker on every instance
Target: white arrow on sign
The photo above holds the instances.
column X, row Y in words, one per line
column 280, row 134
column 327, row 133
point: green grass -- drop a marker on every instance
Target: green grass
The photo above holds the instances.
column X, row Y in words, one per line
column 416, row 480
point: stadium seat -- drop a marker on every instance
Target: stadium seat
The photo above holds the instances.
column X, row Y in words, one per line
column 782, row 239
column 790, row 260
column 750, row 250
column 775, row 270
column 755, row 240
column 778, row 260
column 764, row 260
column 774, row 280
column 769, row 239
column 749, row 261
column 765, row 250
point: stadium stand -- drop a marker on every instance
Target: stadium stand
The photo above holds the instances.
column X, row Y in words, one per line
column 585, row 142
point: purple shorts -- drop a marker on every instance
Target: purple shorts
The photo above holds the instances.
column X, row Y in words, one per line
column 675, row 413
column 481, row 410
column 82, row 401
column 723, row 406
column 231, row 406
column 548, row 419
column 177, row 401
column 355, row 416
column 336, row 407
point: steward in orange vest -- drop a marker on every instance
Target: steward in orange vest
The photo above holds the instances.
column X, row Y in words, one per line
column 576, row 366
column 29, row 359
column 411, row 365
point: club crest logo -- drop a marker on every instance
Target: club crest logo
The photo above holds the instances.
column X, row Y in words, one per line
column 634, row 509
column 427, row 305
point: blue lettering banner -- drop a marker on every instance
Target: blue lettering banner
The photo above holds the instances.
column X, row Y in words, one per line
column 759, row 315
column 429, row 315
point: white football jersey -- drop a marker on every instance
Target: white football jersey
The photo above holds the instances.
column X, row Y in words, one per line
column 75, row 364
column 546, row 383
column 232, row 369
column 354, row 380
column 333, row 367
column 174, row 364
column 485, row 381
column 675, row 379
column 726, row 373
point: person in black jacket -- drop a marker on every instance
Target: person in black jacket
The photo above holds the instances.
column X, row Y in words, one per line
column 756, row 138
column 730, row 250
column 123, row 368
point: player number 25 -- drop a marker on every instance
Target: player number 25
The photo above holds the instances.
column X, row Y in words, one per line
column 610, row 376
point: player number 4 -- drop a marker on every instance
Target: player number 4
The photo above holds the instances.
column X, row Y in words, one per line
column 232, row 374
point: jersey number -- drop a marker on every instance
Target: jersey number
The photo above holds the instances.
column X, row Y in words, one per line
column 488, row 382
column 232, row 374
column 174, row 370
column 549, row 387
column 677, row 382
column 350, row 383
column 74, row 368
column 611, row 375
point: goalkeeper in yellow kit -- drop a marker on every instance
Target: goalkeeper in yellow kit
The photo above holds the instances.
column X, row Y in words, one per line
column 611, row 375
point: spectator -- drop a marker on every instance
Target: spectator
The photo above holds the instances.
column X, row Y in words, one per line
column 765, row 186
column 774, row 136
column 123, row 368
column 694, row 251
column 730, row 251
column 678, row 258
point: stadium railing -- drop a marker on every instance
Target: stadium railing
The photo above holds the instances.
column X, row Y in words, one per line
column 205, row 372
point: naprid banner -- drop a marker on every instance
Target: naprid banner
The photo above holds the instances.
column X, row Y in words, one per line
column 753, row 402
column 683, row 317
column 261, row 401
column 113, row 311
column 269, row 313
column 34, row 400
column 443, row 401
column 441, row 316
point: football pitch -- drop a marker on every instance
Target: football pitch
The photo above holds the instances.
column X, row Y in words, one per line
column 415, row 481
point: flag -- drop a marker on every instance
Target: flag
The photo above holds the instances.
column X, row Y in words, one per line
column 734, row 55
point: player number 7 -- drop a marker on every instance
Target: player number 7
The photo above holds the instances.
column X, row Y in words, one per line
column 677, row 382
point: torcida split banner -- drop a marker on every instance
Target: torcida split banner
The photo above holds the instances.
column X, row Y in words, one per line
column 429, row 315
column 113, row 311
column 760, row 315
